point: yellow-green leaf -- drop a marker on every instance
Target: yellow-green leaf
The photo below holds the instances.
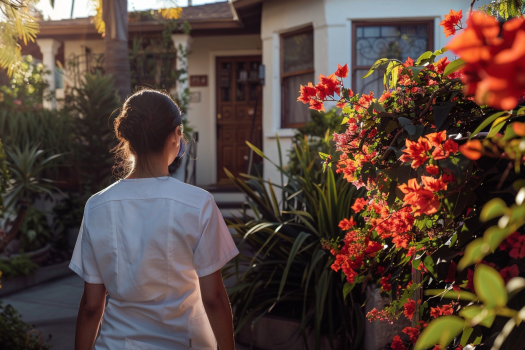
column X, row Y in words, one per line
column 440, row 331
column 378, row 63
column 495, row 235
column 490, row 286
column 494, row 208
column 475, row 251
column 478, row 315
column 454, row 66
column 452, row 294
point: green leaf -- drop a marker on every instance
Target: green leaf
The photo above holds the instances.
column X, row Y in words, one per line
column 490, row 286
column 291, row 258
column 454, row 66
column 494, row 208
column 323, row 156
column 452, row 294
column 347, row 288
column 495, row 235
column 440, row 331
column 416, row 263
column 509, row 133
column 478, row 315
column 487, row 122
column 466, row 335
column 430, row 265
column 424, row 56
column 378, row 63
column 378, row 107
column 495, row 128
column 475, row 251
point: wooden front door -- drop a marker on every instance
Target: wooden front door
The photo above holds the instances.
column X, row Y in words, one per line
column 239, row 114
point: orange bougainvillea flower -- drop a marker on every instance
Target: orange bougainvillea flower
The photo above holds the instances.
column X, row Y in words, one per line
column 307, row 92
column 316, row 105
column 435, row 185
column 342, row 72
column 359, row 204
column 437, row 138
column 346, row 224
column 472, row 149
column 421, row 200
column 409, row 309
column 432, row 169
column 519, row 128
column 416, row 152
column 441, row 65
column 473, row 44
column 451, row 21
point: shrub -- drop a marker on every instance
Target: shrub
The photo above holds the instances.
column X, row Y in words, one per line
column 14, row 332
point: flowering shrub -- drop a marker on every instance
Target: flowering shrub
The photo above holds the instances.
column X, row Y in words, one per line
column 423, row 155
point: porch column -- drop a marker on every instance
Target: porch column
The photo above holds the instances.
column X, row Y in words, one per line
column 182, row 44
column 49, row 48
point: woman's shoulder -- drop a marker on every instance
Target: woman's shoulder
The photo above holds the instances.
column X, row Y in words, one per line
column 151, row 188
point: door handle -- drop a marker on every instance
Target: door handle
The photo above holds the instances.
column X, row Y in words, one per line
column 219, row 116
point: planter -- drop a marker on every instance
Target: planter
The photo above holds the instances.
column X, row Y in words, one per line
column 40, row 275
column 37, row 256
column 277, row 333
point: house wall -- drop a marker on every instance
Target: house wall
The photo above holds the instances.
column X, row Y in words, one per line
column 332, row 24
column 202, row 115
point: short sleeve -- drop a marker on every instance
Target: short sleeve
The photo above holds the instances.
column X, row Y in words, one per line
column 216, row 246
column 83, row 262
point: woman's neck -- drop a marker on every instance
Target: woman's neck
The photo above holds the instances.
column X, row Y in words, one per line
column 153, row 168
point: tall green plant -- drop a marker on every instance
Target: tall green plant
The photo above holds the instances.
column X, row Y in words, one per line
column 288, row 274
column 92, row 107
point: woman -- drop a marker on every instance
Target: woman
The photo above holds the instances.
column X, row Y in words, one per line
column 154, row 245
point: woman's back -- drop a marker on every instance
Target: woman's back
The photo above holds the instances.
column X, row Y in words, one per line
column 148, row 240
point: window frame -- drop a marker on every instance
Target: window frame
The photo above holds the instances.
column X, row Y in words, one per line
column 354, row 68
column 284, row 124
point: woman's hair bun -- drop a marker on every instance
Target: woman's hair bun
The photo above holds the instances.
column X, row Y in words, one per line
column 144, row 123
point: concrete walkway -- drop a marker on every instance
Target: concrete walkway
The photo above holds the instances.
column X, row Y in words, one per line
column 52, row 308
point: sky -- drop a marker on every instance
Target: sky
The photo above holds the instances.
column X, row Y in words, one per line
column 83, row 8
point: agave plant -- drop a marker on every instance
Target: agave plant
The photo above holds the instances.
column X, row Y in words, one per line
column 25, row 166
column 289, row 272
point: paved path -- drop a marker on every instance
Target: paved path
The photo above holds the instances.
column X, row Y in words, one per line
column 52, row 308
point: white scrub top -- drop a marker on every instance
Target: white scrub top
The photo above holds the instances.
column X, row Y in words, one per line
column 148, row 241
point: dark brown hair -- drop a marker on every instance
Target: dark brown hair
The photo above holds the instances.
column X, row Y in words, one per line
column 146, row 120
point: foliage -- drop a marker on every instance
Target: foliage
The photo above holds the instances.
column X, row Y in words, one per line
column 34, row 230
column 505, row 8
column 93, row 107
column 25, row 166
column 287, row 274
column 318, row 131
column 14, row 332
column 68, row 214
column 20, row 265
column 4, row 176
column 422, row 152
column 26, row 87
column 15, row 25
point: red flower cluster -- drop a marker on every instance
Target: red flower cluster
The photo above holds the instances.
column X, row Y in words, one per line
column 495, row 70
column 385, row 283
column 397, row 344
column 423, row 200
column 327, row 87
column 452, row 22
column 409, row 309
column 413, row 333
column 515, row 245
column 359, row 204
column 419, row 152
column 445, row 310
column 383, row 315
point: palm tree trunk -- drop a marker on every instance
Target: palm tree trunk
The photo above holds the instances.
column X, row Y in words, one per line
column 116, row 57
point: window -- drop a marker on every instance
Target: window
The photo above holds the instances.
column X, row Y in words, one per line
column 373, row 41
column 297, row 67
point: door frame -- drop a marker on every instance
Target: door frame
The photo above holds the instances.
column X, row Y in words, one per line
column 213, row 98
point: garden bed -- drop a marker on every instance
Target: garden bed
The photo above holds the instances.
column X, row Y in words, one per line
column 40, row 275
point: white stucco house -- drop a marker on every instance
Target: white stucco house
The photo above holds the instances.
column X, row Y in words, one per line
column 295, row 41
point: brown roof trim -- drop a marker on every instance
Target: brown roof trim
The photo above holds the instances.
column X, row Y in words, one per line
column 240, row 4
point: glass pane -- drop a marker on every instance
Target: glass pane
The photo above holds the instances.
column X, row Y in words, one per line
column 372, row 83
column 240, row 92
column 225, row 81
column 242, row 74
column 400, row 42
column 295, row 112
column 298, row 52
